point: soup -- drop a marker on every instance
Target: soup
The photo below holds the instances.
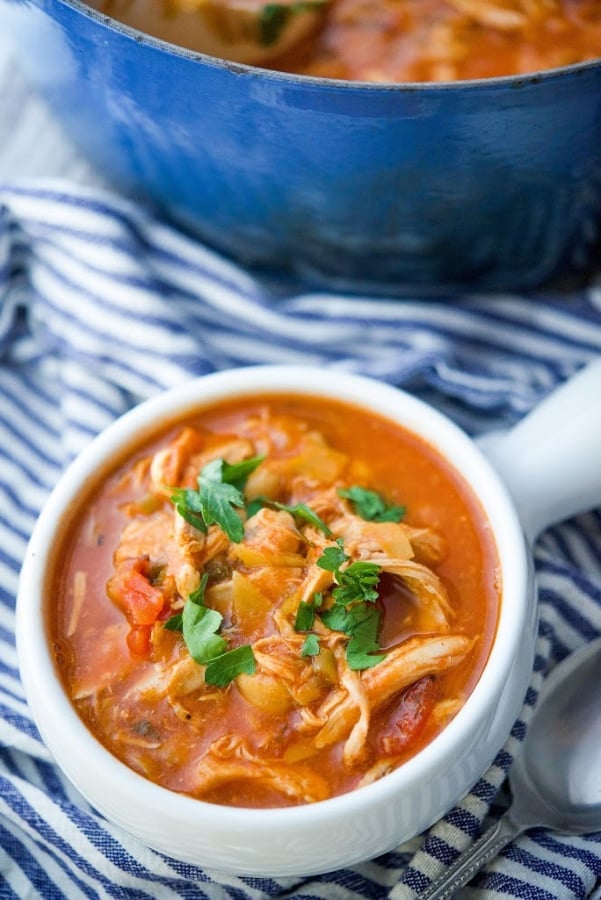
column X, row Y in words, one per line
column 275, row 602
column 378, row 40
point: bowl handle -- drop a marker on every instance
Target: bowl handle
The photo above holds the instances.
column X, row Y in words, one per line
column 551, row 460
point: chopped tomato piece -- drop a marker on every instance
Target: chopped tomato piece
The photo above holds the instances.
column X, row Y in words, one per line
column 407, row 721
column 138, row 640
column 133, row 593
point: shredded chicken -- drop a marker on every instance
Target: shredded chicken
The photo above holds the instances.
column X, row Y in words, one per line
column 273, row 531
column 180, row 463
column 366, row 540
column 507, row 15
column 79, row 594
column 354, row 747
column 434, row 607
column 174, row 682
column 168, row 465
column 230, row 759
column 315, row 580
column 403, row 666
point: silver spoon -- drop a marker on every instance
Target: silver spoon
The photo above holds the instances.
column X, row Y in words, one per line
column 556, row 778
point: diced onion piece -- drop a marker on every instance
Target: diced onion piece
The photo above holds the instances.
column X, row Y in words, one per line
column 250, row 556
column 79, row 593
column 265, row 692
column 324, row 664
column 250, row 606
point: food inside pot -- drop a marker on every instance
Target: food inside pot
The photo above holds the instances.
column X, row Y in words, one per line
column 278, row 601
column 377, row 40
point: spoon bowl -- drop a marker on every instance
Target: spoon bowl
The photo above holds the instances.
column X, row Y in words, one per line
column 556, row 779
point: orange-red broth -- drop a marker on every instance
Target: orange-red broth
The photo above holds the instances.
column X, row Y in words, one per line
column 94, row 659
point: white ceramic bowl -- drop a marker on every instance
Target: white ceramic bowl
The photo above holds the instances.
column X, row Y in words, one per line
column 367, row 822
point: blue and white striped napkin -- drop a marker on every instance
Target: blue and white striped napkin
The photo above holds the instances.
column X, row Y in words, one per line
column 100, row 307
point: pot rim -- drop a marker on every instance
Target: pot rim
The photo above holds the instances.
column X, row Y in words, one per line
column 428, row 87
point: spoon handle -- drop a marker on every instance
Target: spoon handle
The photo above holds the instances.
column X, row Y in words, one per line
column 469, row 863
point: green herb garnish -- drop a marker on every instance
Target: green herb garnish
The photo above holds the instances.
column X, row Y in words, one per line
column 299, row 510
column 175, row 623
column 220, row 487
column 237, row 473
column 362, row 624
column 187, row 503
column 217, row 499
column 357, row 584
column 332, row 557
column 273, row 17
column 353, row 612
column 302, row 511
column 227, row 666
column 310, row 646
column 305, row 614
column 364, row 641
column 371, row 506
column 254, row 506
column 199, row 625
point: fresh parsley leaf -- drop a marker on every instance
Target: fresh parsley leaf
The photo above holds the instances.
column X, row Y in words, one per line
column 187, row 503
column 345, row 619
column 254, row 506
column 220, row 486
column 217, row 500
column 310, row 646
column 224, row 668
column 362, row 624
column 371, row 506
column 353, row 612
column 272, row 19
column 357, row 584
column 364, row 641
column 274, row 16
column 305, row 616
column 198, row 596
column 338, row 619
column 200, row 626
column 174, row 623
column 332, row 557
column 237, row 473
column 392, row 514
column 302, row 511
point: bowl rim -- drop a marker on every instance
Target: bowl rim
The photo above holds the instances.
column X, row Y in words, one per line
column 42, row 682
column 427, row 87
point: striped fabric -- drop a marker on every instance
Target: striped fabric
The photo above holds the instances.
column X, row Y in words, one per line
column 100, row 306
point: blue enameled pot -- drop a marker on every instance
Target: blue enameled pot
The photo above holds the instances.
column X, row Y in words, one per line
column 404, row 188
